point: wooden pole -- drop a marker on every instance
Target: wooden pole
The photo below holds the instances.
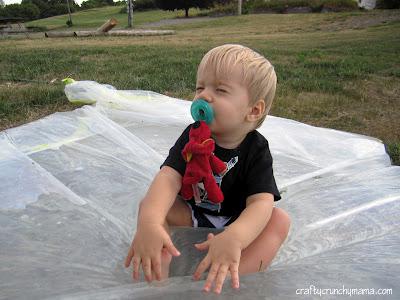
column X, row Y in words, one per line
column 239, row 7
column 69, row 13
column 61, row 34
column 107, row 26
column 130, row 13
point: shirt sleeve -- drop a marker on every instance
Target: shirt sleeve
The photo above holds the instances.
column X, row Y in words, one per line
column 175, row 159
column 260, row 177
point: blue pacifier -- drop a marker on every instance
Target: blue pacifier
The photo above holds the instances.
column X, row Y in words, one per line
column 202, row 111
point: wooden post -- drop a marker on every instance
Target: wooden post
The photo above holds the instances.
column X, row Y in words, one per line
column 130, row 13
column 59, row 34
column 107, row 26
column 239, row 7
column 69, row 13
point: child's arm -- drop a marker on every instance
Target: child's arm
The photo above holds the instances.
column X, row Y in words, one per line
column 225, row 248
column 151, row 235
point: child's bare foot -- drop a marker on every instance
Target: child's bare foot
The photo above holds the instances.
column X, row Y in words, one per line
column 166, row 258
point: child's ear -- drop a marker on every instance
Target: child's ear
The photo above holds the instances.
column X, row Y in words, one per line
column 256, row 111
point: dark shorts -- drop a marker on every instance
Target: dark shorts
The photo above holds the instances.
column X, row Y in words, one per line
column 200, row 219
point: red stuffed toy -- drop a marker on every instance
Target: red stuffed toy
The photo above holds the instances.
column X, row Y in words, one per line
column 201, row 163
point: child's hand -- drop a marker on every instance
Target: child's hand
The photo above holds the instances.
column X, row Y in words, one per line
column 223, row 256
column 149, row 240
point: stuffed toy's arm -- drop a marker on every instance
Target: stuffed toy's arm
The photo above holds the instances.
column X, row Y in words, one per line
column 217, row 165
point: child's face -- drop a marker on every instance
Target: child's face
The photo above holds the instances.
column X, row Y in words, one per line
column 228, row 97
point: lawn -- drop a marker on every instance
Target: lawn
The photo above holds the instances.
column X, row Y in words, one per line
column 94, row 18
column 336, row 70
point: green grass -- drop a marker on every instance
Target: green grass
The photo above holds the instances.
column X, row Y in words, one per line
column 329, row 74
column 94, row 18
column 394, row 150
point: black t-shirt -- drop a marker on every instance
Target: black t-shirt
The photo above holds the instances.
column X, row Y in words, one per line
column 249, row 172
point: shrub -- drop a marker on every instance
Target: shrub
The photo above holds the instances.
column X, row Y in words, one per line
column 57, row 9
column 388, row 4
column 226, row 9
column 278, row 5
column 27, row 11
column 93, row 4
column 229, row 7
column 183, row 5
column 141, row 5
column 340, row 4
column 51, row 8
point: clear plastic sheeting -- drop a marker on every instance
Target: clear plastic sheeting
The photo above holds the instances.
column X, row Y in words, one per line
column 70, row 185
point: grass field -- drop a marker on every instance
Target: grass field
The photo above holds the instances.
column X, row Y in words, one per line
column 336, row 70
column 93, row 18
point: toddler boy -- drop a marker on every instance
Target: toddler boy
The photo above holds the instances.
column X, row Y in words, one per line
column 239, row 84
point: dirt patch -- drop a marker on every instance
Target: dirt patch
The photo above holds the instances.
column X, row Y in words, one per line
column 379, row 98
column 13, row 85
column 370, row 108
column 362, row 21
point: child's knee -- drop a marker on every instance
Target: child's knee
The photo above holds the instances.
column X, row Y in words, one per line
column 281, row 221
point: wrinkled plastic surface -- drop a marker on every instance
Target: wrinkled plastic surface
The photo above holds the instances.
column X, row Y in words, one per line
column 70, row 185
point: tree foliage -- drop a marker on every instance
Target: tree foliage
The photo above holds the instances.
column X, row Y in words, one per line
column 49, row 8
column 95, row 3
column 39, row 9
column 388, row 4
column 25, row 11
column 183, row 4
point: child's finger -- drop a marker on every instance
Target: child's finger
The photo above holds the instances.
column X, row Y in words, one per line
column 211, row 276
column 171, row 248
column 157, row 266
column 210, row 236
column 234, row 268
column 128, row 258
column 146, row 266
column 223, row 270
column 202, row 246
column 203, row 265
column 136, row 264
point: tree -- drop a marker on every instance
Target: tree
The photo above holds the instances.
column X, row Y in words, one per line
column 27, row 11
column 183, row 4
column 93, row 4
column 49, row 8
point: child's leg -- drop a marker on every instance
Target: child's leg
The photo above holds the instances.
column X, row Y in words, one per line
column 178, row 215
column 259, row 254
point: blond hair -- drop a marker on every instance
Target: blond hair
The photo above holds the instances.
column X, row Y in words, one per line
column 257, row 72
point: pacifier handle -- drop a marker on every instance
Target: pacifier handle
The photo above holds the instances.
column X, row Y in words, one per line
column 202, row 111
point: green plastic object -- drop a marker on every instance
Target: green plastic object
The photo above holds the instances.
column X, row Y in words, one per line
column 202, row 111
column 68, row 80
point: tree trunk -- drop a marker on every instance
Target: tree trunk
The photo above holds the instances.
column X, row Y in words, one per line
column 186, row 12
column 59, row 34
column 130, row 13
column 239, row 7
column 109, row 33
column 69, row 13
